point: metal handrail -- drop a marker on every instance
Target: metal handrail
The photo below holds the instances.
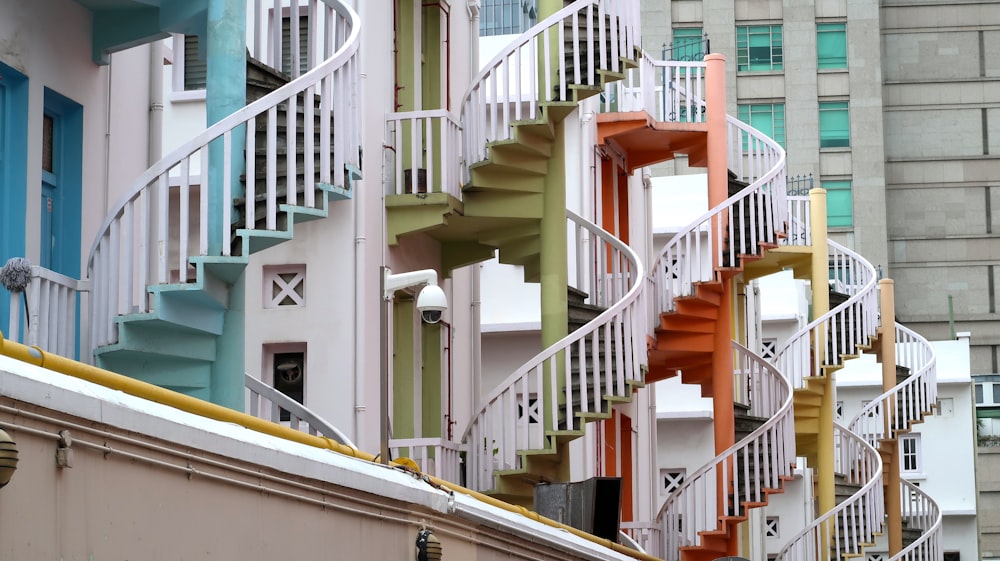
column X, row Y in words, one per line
column 298, row 412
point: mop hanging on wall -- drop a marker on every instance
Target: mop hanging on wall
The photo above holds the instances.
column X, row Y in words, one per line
column 15, row 276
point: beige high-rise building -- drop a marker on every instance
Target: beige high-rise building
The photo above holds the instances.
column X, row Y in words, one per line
column 894, row 108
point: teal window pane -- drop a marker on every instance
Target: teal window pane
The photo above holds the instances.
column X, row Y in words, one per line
column 834, row 124
column 831, row 45
column 839, row 204
column 768, row 118
column 688, row 44
column 759, row 47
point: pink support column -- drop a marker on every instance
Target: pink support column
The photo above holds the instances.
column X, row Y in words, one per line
column 718, row 154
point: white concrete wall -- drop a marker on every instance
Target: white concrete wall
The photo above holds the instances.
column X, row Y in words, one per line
column 145, row 478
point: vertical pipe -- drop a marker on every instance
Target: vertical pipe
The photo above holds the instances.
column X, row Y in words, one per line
column 383, row 370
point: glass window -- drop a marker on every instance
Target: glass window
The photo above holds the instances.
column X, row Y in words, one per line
column 834, row 124
column 979, row 393
column 289, row 377
column 996, row 393
column 688, row 44
column 195, row 68
column 758, row 47
column 839, row 204
column 286, row 45
column 507, row 17
column 768, row 118
column 831, row 45
column 910, row 458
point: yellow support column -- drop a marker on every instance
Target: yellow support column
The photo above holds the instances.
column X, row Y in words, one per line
column 820, row 279
column 887, row 340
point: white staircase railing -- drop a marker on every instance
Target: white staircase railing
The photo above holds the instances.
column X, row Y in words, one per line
column 48, row 306
column 906, row 403
column 668, row 90
column 845, row 530
column 758, row 211
column 542, row 65
column 437, row 457
column 156, row 227
column 758, row 463
column 920, row 512
column 571, row 377
column 896, row 411
column 265, row 402
column 427, row 152
column 839, row 332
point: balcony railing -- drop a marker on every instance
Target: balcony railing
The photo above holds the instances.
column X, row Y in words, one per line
column 686, row 49
column 52, row 304
column 437, row 457
column 426, row 146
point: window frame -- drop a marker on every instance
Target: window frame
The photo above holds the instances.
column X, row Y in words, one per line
column 745, row 61
column 915, row 454
column 526, row 16
column 829, row 29
column 747, row 111
column 836, row 137
column 178, row 93
column 837, row 188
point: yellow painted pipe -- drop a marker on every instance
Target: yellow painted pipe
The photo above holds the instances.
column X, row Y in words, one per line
column 144, row 390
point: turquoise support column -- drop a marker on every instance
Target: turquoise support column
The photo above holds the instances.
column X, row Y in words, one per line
column 225, row 92
column 227, row 372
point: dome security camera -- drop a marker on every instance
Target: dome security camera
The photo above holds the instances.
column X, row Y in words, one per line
column 431, row 303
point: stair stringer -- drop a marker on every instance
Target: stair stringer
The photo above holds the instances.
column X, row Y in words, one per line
column 156, row 311
column 574, row 381
column 706, row 532
column 693, row 266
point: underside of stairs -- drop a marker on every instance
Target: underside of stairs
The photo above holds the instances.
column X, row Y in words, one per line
column 502, row 203
column 684, row 341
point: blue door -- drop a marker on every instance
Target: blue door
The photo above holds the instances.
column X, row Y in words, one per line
column 62, row 176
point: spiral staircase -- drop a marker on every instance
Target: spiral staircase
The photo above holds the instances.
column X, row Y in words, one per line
column 166, row 259
column 754, row 232
column 511, row 118
column 736, row 240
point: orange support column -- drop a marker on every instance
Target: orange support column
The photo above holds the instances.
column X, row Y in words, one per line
column 718, row 184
